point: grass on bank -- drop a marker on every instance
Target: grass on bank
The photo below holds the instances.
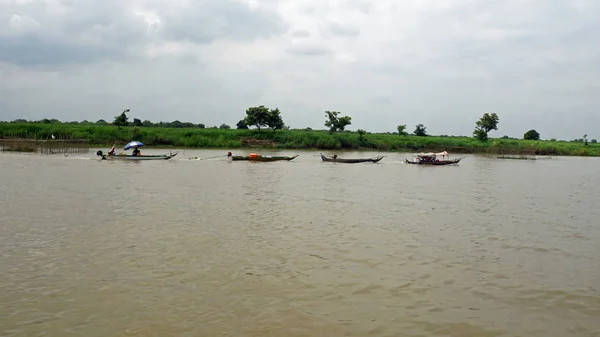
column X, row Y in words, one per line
column 291, row 139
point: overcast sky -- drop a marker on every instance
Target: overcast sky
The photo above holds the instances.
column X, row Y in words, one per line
column 443, row 63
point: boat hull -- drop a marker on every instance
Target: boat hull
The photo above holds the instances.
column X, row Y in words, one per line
column 351, row 161
column 263, row 159
column 137, row 158
column 434, row 163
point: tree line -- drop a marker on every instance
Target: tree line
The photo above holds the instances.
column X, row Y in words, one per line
column 262, row 117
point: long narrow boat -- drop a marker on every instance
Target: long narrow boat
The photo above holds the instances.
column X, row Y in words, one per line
column 351, row 161
column 430, row 159
column 130, row 157
column 438, row 162
column 258, row 157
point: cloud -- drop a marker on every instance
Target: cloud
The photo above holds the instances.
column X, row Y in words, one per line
column 439, row 63
column 344, row 30
column 301, row 33
column 20, row 24
column 206, row 21
column 308, row 49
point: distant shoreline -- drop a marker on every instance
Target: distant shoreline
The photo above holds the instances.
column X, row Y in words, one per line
column 104, row 136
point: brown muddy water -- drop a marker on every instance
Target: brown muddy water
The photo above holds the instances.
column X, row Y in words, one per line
column 303, row 248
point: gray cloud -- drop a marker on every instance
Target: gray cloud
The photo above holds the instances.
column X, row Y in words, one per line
column 39, row 51
column 535, row 63
column 344, row 29
column 364, row 6
column 206, row 21
column 88, row 31
column 301, row 33
column 308, row 50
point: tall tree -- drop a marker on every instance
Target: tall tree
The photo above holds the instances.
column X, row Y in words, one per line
column 420, row 130
column 122, row 119
column 275, row 121
column 261, row 117
column 402, row 130
column 335, row 123
column 484, row 125
column 257, row 116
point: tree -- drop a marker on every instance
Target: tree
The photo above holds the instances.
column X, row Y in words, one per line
column 275, row 121
column 361, row 135
column 147, row 123
column 484, row 125
column 480, row 135
column 257, row 116
column 224, row 126
column 420, row 130
column 122, row 119
column 241, row 125
column 531, row 135
column 402, row 130
column 137, row 122
column 335, row 123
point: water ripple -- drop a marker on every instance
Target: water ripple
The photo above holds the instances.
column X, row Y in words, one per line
column 212, row 248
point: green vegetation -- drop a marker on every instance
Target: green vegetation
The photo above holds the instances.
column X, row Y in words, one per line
column 420, row 130
column 335, row 123
column 484, row 125
column 106, row 135
column 185, row 134
column 531, row 135
column 402, row 130
column 261, row 116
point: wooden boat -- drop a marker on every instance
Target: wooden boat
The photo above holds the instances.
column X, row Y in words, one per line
column 335, row 159
column 438, row 162
column 130, row 157
column 431, row 159
column 259, row 157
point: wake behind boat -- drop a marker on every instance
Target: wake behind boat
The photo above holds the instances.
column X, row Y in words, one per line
column 431, row 159
column 335, row 159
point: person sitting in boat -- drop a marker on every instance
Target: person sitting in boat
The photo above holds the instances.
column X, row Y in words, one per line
column 112, row 151
column 335, row 156
column 228, row 154
column 136, row 152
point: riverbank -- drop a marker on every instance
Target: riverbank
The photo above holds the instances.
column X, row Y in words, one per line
column 103, row 135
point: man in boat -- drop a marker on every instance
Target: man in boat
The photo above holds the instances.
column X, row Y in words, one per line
column 335, row 156
column 228, row 154
column 136, row 152
column 112, row 151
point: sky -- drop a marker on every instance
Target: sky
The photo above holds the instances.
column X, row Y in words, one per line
column 442, row 63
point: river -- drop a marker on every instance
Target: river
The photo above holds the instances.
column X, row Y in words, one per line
column 303, row 248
